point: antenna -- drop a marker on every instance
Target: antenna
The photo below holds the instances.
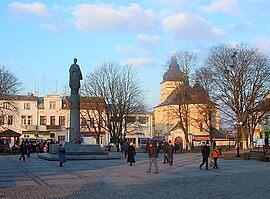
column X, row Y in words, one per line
column 56, row 85
column 44, row 85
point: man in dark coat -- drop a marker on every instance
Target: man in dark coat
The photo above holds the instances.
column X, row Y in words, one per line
column 205, row 154
column 23, row 151
column 130, row 154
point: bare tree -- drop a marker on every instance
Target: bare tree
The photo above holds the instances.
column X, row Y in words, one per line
column 92, row 109
column 207, row 108
column 120, row 90
column 9, row 83
column 240, row 76
column 9, row 86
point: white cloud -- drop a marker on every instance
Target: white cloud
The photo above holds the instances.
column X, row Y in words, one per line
column 30, row 9
column 241, row 28
column 51, row 27
column 130, row 49
column 139, row 62
column 262, row 43
column 189, row 26
column 225, row 6
column 104, row 17
column 149, row 41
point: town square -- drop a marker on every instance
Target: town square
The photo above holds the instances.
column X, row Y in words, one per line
column 135, row 99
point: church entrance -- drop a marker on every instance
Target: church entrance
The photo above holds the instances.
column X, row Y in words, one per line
column 178, row 140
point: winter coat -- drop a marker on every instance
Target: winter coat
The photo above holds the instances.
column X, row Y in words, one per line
column 215, row 154
column 23, row 148
column 130, row 154
column 62, row 154
column 205, row 151
column 153, row 152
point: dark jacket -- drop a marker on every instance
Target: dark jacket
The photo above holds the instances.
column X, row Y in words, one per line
column 153, row 152
column 205, row 151
column 131, row 153
column 23, row 148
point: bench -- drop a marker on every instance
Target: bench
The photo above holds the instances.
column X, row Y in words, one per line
column 260, row 155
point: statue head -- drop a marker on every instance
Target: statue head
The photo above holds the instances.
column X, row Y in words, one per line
column 75, row 60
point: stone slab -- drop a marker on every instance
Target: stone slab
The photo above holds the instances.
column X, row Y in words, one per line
column 55, row 157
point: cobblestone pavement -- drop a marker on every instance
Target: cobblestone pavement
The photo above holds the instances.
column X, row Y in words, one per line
column 104, row 179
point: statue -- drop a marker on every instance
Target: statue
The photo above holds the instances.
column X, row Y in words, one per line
column 75, row 76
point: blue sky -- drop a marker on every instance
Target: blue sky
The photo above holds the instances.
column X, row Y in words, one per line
column 39, row 39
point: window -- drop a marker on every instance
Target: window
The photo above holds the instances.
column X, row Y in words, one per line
column 43, row 120
column 10, row 119
column 61, row 138
column 29, row 120
column 92, row 121
column 62, row 120
column 130, row 119
column 27, row 106
column 52, row 105
column 2, row 119
column 83, row 122
column 23, row 119
column 201, row 127
column 6, row 105
column 52, row 120
column 143, row 120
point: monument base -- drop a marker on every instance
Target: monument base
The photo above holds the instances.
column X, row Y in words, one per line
column 79, row 152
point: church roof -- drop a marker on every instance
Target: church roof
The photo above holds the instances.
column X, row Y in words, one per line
column 174, row 73
column 193, row 95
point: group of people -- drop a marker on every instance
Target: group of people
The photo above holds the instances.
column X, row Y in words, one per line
column 206, row 152
column 153, row 151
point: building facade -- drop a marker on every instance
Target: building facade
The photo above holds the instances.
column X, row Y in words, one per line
column 180, row 101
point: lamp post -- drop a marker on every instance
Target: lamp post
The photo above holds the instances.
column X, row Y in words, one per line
column 239, row 128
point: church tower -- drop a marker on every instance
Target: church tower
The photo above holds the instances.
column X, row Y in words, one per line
column 171, row 79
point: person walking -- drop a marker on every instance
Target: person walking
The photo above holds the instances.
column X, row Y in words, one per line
column 215, row 155
column 153, row 157
column 62, row 154
column 28, row 150
column 205, row 155
column 165, row 148
column 131, row 154
column 170, row 153
column 23, row 151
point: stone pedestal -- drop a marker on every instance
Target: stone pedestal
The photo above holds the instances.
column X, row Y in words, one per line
column 74, row 131
column 79, row 152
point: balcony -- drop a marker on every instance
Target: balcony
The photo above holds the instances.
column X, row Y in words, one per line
column 53, row 127
column 29, row 127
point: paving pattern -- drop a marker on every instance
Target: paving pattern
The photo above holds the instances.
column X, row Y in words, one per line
column 113, row 179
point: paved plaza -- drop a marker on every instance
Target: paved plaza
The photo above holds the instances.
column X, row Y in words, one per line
column 113, row 179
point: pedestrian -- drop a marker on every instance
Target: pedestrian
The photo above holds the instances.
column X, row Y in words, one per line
column 266, row 142
column 23, row 151
column 153, row 157
column 131, row 154
column 147, row 148
column 121, row 144
column 125, row 147
column 205, row 155
column 62, row 154
column 28, row 150
column 170, row 153
column 165, row 148
column 215, row 155
column 118, row 145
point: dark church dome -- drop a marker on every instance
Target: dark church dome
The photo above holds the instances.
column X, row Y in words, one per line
column 174, row 73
